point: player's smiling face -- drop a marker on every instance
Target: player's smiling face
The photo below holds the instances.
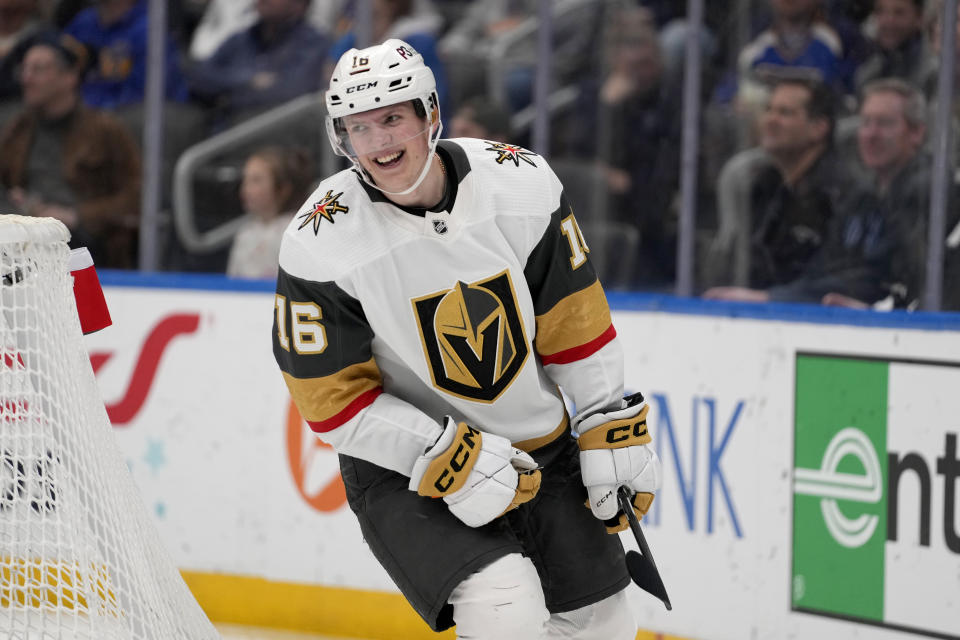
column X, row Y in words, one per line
column 391, row 143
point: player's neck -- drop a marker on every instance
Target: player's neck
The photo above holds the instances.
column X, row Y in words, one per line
column 430, row 192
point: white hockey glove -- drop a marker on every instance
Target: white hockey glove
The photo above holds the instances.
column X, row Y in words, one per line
column 475, row 473
column 614, row 452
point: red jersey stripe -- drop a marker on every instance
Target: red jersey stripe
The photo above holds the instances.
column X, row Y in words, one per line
column 579, row 353
column 362, row 401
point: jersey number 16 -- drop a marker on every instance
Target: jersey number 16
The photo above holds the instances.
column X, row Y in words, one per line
column 309, row 336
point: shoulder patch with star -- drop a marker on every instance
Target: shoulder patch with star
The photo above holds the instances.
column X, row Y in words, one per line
column 510, row 152
column 324, row 209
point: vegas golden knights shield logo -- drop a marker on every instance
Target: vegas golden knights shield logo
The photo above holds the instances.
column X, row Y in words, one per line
column 473, row 337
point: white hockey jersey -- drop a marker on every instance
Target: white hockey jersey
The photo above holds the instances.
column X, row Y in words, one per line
column 386, row 321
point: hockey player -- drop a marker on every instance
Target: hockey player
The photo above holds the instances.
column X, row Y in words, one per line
column 430, row 302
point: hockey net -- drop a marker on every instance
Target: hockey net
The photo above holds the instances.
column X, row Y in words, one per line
column 79, row 556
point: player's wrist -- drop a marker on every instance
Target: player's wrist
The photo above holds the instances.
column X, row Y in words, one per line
column 621, row 426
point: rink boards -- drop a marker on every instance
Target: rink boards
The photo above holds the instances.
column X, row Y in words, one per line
column 810, row 466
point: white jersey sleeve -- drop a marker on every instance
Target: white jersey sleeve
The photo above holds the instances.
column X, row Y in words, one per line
column 322, row 341
column 575, row 339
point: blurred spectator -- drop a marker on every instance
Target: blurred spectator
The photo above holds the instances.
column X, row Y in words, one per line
column 890, row 141
column 631, row 123
column 415, row 22
column 891, row 134
column 794, row 200
column 116, row 31
column 465, row 47
column 19, row 19
column 900, row 48
column 670, row 18
column 477, row 29
column 276, row 181
column 276, row 59
column 469, row 46
column 223, row 18
column 478, row 117
column 65, row 10
column 180, row 14
column 874, row 250
column 798, row 44
column 392, row 19
column 71, row 162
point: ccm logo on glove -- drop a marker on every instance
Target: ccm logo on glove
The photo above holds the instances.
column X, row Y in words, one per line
column 627, row 432
column 615, row 452
column 480, row 475
column 449, row 471
column 622, row 434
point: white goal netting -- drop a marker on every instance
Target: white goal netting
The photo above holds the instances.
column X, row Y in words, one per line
column 79, row 556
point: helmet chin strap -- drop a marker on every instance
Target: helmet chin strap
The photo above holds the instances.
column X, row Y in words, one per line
column 423, row 172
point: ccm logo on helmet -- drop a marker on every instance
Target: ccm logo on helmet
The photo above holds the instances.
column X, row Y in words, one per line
column 624, row 432
column 459, row 460
column 362, row 87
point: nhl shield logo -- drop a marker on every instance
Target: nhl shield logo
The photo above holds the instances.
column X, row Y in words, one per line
column 473, row 337
column 440, row 226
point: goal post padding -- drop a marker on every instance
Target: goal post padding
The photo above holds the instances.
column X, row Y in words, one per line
column 80, row 557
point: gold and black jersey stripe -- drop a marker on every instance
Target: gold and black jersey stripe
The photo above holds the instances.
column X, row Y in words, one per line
column 573, row 318
column 331, row 386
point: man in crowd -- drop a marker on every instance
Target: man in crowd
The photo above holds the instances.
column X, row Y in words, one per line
column 67, row 161
column 117, row 31
column 278, row 58
column 794, row 200
column 901, row 51
column 890, row 142
column 631, row 125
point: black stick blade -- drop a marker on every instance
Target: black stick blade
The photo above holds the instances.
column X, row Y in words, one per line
column 646, row 576
column 642, row 569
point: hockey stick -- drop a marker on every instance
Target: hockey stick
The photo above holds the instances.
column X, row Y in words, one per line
column 642, row 568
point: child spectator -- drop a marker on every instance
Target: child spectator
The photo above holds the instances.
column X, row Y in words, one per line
column 275, row 182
